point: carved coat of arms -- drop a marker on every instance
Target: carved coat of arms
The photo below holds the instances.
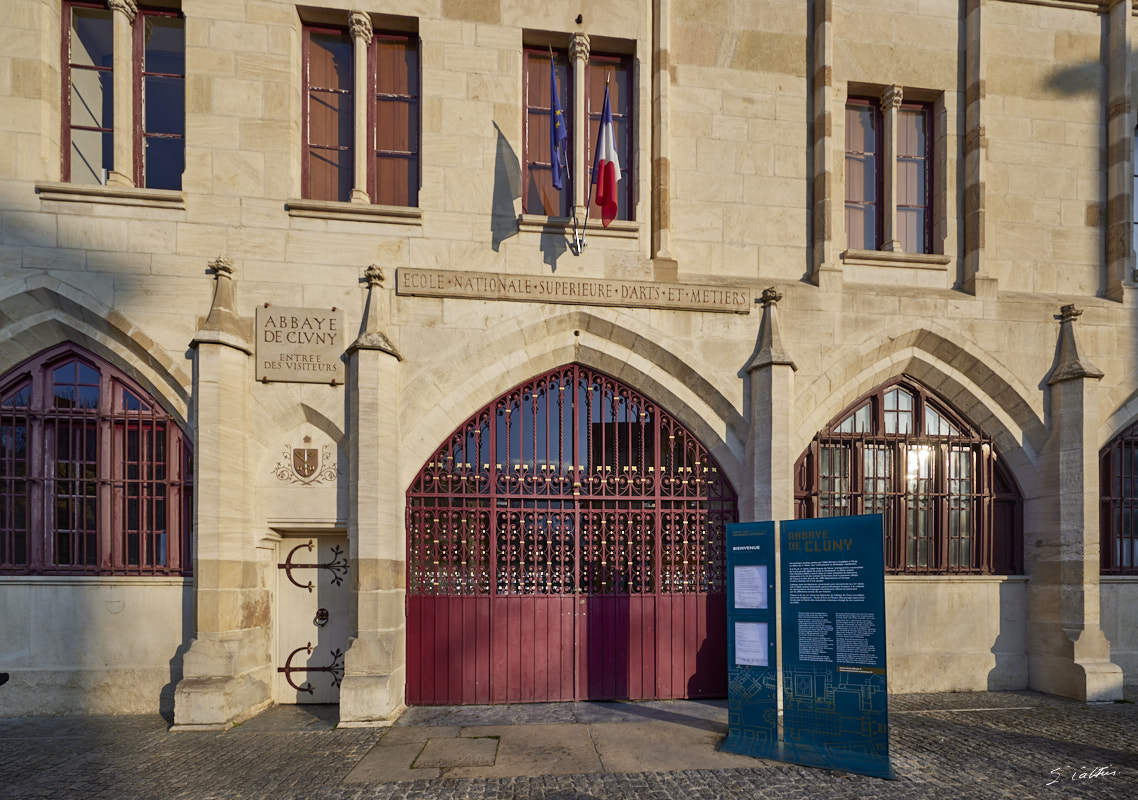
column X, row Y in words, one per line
column 306, row 465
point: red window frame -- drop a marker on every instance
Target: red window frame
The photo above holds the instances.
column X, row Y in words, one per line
column 345, row 192
column 991, row 502
column 537, row 179
column 1118, row 504
column 926, row 161
column 65, row 68
column 855, row 103
column 379, row 125
column 123, row 492
column 619, row 67
column 138, row 78
column 140, row 75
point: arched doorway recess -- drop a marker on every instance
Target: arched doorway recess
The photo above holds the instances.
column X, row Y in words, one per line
column 566, row 543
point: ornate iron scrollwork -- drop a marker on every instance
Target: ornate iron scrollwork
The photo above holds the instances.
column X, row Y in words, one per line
column 338, row 566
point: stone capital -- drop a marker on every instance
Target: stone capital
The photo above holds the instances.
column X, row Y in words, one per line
column 359, row 23
column 891, row 97
column 579, row 47
column 127, row 7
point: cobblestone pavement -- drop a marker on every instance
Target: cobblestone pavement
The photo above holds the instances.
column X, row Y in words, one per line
column 989, row 745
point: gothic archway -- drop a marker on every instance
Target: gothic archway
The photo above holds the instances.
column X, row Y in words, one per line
column 566, row 542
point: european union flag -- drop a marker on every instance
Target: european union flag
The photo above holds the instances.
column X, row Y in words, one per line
column 557, row 133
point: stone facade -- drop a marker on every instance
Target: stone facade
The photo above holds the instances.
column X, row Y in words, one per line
column 738, row 169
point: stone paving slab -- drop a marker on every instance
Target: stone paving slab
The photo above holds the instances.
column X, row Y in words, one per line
column 944, row 747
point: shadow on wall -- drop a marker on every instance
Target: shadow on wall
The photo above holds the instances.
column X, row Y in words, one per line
column 166, row 697
column 1010, row 647
column 507, row 188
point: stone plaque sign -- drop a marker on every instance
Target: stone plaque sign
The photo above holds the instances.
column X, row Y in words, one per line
column 300, row 345
column 573, row 291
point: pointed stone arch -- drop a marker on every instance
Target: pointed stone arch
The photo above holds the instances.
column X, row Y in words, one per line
column 969, row 380
column 42, row 312
column 618, row 346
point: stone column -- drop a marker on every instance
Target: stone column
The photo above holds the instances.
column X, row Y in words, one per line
column 1119, row 152
column 974, row 279
column 1068, row 653
column 890, row 103
column 769, row 460
column 228, row 667
column 826, row 275
column 375, row 665
column 123, row 12
column 579, row 58
column 664, row 264
column 360, row 25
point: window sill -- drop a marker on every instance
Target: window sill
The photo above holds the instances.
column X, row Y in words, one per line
column 1118, row 579
column 111, row 195
column 95, row 580
column 950, row 578
column 886, row 258
column 617, row 229
column 358, row 212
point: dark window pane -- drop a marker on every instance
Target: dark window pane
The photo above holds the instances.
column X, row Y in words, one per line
column 18, row 399
column 165, row 105
column 92, row 37
column 165, row 162
column 165, row 45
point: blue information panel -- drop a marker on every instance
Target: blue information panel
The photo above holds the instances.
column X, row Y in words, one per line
column 832, row 584
column 752, row 665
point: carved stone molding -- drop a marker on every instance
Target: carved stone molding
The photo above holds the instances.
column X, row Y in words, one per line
column 128, row 7
column 359, row 24
column 579, row 47
column 891, row 97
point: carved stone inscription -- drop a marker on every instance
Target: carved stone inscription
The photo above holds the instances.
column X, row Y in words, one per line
column 300, row 345
column 574, row 291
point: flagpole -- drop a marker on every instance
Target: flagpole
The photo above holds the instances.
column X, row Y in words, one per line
column 608, row 77
column 563, row 161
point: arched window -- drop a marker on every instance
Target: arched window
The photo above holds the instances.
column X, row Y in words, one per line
column 949, row 504
column 1118, row 504
column 94, row 475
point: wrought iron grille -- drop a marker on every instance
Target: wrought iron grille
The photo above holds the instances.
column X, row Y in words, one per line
column 94, row 474
column 948, row 504
column 569, row 483
column 1118, row 504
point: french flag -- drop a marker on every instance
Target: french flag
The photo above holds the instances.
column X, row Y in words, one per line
column 606, row 165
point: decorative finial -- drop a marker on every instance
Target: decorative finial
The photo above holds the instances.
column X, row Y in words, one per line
column 1069, row 312
column 374, row 275
column 769, row 349
column 1069, row 364
column 222, row 266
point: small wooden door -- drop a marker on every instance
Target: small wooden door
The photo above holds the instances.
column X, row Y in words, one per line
column 312, row 619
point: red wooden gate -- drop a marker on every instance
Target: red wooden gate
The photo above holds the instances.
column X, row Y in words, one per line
column 566, row 543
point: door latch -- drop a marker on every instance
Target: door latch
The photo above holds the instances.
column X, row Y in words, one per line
column 321, row 618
